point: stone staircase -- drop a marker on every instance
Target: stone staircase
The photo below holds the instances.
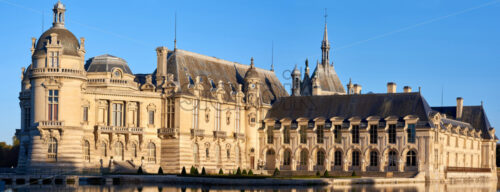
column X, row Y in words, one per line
column 124, row 167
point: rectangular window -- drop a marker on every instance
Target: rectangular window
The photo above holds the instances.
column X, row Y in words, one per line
column 270, row 135
column 53, row 105
column 217, row 116
column 303, row 134
column 171, row 113
column 117, row 114
column 286, row 134
column 319, row 134
column 337, row 133
column 373, row 134
column 196, row 109
column 27, row 118
column 392, row 133
column 355, row 134
column 237, row 120
column 411, row 133
column 85, row 113
column 151, row 117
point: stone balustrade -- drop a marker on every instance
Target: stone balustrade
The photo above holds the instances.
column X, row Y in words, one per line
column 220, row 134
column 168, row 132
column 113, row 129
column 197, row 132
column 50, row 124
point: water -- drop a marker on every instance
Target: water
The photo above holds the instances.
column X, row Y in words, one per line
column 433, row 187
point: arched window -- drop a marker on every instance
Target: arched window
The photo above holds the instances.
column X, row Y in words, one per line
column 237, row 153
column 119, row 150
column 338, row 158
column 134, row 150
column 303, row 134
column 207, row 153
column 319, row 133
column 286, row 157
column 270, row 135
column 411, row 158
column 373, row 158
column 217, row 154
column 286, row 134
column 228, row 154
column 151, row 152
column 195, row 153
column 320, row 158
column 52, row 149
column 355, row 158
column 104, row 149
column 393, row 158
column 303, row 157
column 86, row 151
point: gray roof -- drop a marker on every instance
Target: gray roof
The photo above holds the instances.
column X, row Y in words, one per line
column 69, row 42
column 106, row 63
column 347, row 106
column 328, row 79
column 474, row 115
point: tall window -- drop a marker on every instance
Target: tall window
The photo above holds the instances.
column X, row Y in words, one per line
column 373, row 134
column 151, row 152
column 27, row 118
column 117, row 114
column 355, row 158
column 338, row 158
column 171, row 113
column 217, row 154
column 53, row 105
column 196, row 109
column 286, row 134
column 319, row 134
column 237, row 119
column 217, row 116
column 303, row 157
column 320, row 158
column 355, row 134
column 270, row 135
column 52, row 148
column 151, row 117
column 195, row 154
column 411, row 158
column 303, row 134
column 392, row 133
column 237, row 153
column 54, row 59
column 337, row 134
column 228, row 153
column 85, row 113
column 373, row 158
column 104, row 149
column 207, row 153
column 393, row 158
column 411, row 133
column 134, row 150
column 86, row 151
column 287, row 157
column 119, row 150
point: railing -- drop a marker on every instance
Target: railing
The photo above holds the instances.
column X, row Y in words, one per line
column 220, row 134
column 168, row 132
column 301, row 167
column 239, row 135
column 136, row 130
column 113, row 129
column 319, row 167
column 467, row 169
column 103, row 81
column 285, row 167
column 197, row 132
column 50, row 124
column 56, row 70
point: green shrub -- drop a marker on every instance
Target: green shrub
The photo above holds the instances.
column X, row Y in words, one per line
column 139, row 171
column 244, row 172
column 183, row 172
column 238, row 172
column 326, row 174
column 317, row 173
column 203, row 172
column 160, row 171
column 196, row 172
column 354, row 174
column 276, row 172
column 250, row 172
column 221, row 172
column 191, row 171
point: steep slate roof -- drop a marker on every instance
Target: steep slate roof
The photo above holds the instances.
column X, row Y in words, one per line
column 347, row 106
column 68, row 41
column 474, row 115
column 186, row 66
column 328, row 79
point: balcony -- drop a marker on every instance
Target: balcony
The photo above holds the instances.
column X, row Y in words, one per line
column 220, row 134
column 239, row 135
column 122, row 130
column 168, row 133
column 197, row 132
column 37, row 72
column 50, row 124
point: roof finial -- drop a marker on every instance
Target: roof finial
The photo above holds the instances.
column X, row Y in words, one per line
column 272, row 55
column 175, row 31
column 251, row 63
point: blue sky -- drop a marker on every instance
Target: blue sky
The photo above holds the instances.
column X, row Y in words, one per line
column 438, row 45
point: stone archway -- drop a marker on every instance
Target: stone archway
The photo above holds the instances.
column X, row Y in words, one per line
column 270, row 159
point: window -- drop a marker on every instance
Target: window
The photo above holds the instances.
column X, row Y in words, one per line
column 85, row 114
column 286, row 134
column 303, row 157
column 54, row 59
column 134, row 150
column 52, row 149
column 119, row 150
column 117, row 114
column 270, row 135
column 338, row 158
column 237, row 120
column 373, row 134
column 207, row 153
column 355, row 158
column 195, row 154
column 27, row 118
column 303, row 134
column 151, row 152
column 104, row 149
column 393, row 158
column 411, row 133
column 373, row 158
column 287, row 157
column 320, row 158
column 411, row 158
column 217, row 154
column 392, row 133
column 337, row 134
column 228, row 154
column 86, row 151
column 196, row 109
column 238, row 156
column 355, row 134
column 171, row 113
column 319, row 134
column 53, row 105
column 151, row 117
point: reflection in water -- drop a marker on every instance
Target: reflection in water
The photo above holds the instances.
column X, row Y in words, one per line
column 433, row 187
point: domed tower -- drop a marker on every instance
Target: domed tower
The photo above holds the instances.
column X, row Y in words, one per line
column 51, row 99
column 252, row 85
column 252, row 110
column 296, row 82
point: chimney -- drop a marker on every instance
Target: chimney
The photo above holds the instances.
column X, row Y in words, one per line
column 391, row 87
column 161, row 65
column 460, row 107
column 357, row 89
column 407, row 89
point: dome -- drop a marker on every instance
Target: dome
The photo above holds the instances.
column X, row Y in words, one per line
column 296, row 71
column 106, row 63
column 68, row 41
column 59, row 5
column 252, row 72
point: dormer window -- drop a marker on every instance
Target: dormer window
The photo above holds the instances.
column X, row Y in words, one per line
column 54, row 59
column 117, row 74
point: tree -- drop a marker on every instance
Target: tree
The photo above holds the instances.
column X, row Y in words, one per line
column 192, row 171
column 276, row 172
column 221, row 172
column 160, row 171
column 244, row 172
column 317, row 173
column 238, row 172
column 326, row 174
column 203, row 171
column 183, row 172
column 250, row 172
column 139, row 171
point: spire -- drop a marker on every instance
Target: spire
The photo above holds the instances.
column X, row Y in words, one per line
column 272, row 56
column 325, row 45
column 58, row 10
column 307, row 68
column 251, row 63
column 175, row 32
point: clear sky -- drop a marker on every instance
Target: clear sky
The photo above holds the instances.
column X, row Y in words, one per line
column 450, row 45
